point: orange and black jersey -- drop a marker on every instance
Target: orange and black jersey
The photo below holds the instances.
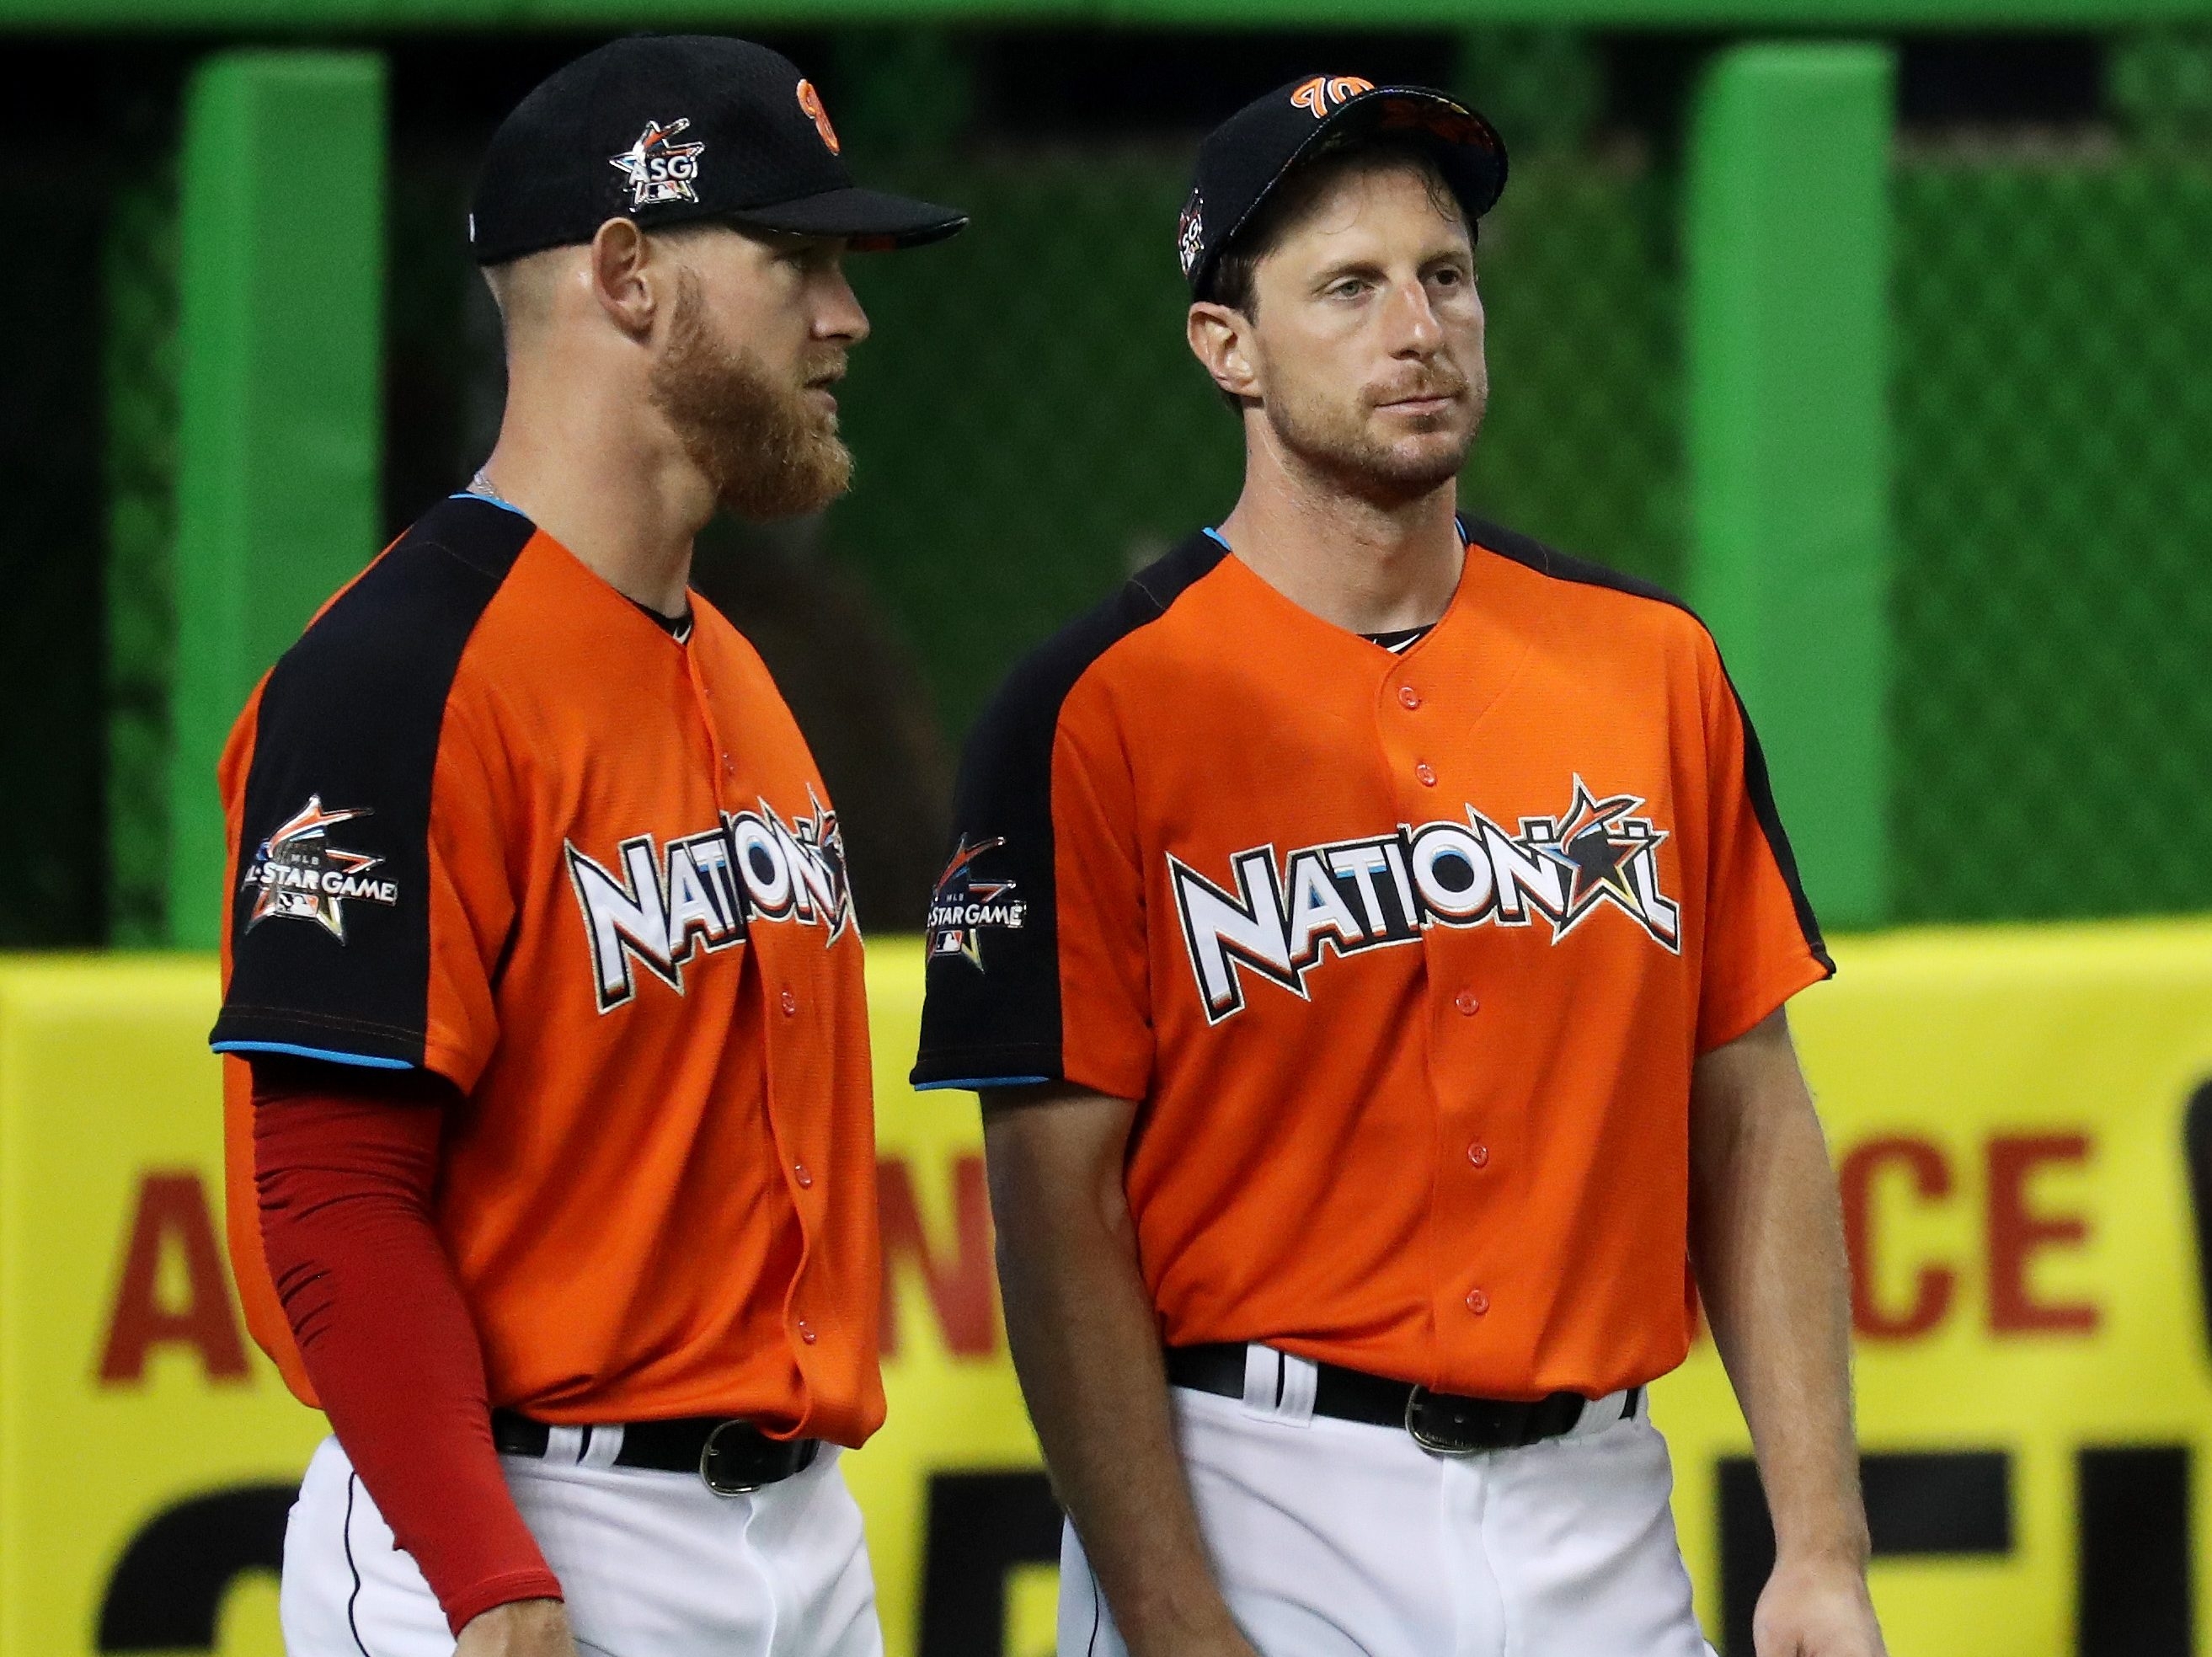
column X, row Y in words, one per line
column 490, row 819
column 1405, row 956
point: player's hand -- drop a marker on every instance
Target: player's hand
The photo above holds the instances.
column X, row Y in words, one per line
column 1816, row 1609
column 522, row 1628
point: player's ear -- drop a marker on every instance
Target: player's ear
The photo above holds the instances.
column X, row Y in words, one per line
column 1222, row 339
column 627, row 280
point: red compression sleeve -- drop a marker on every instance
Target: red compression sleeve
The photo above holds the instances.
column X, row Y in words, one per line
column 345, row 1172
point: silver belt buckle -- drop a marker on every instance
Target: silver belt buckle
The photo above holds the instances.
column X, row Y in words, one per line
column 1422, row 1436
column 707, row 1457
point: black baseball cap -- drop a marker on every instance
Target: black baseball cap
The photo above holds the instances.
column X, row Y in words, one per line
column 1244, row 158
column 675, row 128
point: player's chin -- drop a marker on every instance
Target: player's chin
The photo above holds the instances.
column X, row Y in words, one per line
column 1430, row 455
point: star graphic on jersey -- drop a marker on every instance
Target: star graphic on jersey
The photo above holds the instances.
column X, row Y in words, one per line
column 298, row 874
column 1598, row 842
column 821, row 834
column 982, row 890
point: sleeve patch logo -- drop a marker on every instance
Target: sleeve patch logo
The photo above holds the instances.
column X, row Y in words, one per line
column 657, row 168
column 966, row 905
column 1352, row 895
column 298, row 875
column 700, row 894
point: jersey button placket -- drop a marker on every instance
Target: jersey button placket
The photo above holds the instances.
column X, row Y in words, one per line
column 725, row 764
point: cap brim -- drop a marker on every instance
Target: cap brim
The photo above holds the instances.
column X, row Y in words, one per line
column 869, row 218
column 1472, row 154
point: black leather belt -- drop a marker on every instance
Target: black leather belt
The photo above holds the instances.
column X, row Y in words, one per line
column 731, row 1456
column 1442, row 1422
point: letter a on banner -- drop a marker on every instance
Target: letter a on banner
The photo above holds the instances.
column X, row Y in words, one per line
column 173, row 1215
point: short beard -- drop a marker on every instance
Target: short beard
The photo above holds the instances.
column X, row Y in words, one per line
column 1336, row 444
column 765, row 452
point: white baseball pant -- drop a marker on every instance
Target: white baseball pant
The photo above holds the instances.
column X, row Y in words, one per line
column 1336, row 1539
column 651, row 1564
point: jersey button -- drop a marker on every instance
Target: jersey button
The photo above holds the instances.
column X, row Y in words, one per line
column 790, row 1003
column 1477, row 1303
column 729, row 766
column 1466, row 1003
column 804, row 1175
column 1427, row 773
column 806, row 1331
column 1479, row 1154
column 1408, row 698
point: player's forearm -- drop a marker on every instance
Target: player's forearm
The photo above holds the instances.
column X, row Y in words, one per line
column 1086, row 1347
column 343, row 1186
column 1767, row 1240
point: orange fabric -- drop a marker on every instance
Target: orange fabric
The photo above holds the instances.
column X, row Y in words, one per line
column 1458, row 1155
column 660, row 1197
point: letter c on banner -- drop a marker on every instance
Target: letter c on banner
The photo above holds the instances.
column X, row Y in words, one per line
column 1933, row 1286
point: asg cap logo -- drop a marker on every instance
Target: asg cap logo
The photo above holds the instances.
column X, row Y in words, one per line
column 659, row 169
column 1190, row 233
column 811, row 101
column 1321, row 94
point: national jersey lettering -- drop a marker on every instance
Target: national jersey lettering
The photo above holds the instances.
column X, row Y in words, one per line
column 1350, row 896
column 700, row 893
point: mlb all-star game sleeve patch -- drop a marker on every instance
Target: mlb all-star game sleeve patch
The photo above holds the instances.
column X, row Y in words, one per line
column 350, row 884
column 1035, row 931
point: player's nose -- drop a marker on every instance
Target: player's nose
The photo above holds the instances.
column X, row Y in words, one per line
column 1411, row 317
column 838, row 314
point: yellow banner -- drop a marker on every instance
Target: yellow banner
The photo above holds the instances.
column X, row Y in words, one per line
column 2011, row 1115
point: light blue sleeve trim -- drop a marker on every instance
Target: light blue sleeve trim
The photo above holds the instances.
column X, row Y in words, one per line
column 360, row 1059
column 977, row 1083
column 1222, row 538
column 489, row 500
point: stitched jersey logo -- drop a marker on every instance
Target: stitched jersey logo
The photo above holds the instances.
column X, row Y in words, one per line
column 966, row 904
column 1355, row 894
column 298, row 875
column 658, row 169
column 700, row 894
